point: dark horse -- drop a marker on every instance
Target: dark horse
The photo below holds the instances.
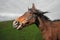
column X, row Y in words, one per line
column 50, row 30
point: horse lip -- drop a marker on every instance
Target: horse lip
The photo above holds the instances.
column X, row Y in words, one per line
column 14, row 26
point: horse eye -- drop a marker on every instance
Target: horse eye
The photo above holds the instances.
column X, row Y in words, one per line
column 30, row 13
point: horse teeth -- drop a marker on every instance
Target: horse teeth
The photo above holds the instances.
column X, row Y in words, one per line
column 19, row 27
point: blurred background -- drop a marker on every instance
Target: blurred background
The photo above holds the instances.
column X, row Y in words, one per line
column 11, row 9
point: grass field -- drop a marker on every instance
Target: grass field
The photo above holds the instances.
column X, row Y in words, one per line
column 7, row 32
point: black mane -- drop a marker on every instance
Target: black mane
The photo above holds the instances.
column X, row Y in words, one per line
column 56, row 20
column 41, row 14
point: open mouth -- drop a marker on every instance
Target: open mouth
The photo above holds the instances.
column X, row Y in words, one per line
column 17, row 25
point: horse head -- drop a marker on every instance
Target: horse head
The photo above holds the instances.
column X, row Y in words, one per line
column 27, row 18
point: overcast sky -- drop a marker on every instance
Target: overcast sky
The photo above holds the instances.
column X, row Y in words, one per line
column 11, row 9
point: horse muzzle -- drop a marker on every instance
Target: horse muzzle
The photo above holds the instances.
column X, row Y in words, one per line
column 17, row 25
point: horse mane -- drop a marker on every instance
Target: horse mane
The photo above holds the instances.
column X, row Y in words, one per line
column 45, row 17
column 41, row 14
column 56, row 20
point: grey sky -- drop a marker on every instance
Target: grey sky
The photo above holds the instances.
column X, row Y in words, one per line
column 10, row 9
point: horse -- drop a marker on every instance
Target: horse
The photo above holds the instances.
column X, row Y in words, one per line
column 50, row 30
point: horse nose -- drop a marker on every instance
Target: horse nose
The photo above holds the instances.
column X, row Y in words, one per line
column 15, row 24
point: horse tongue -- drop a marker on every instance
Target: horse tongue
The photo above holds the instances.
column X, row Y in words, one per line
column 19, row 27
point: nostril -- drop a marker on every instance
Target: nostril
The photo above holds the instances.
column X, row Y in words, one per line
column 16, row 24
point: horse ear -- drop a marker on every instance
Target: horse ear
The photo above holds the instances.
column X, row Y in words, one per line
column 33, row 6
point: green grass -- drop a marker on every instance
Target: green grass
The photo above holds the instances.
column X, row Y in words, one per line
column 7, row 32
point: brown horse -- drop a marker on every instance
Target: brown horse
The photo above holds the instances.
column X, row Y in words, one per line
column 50, row 30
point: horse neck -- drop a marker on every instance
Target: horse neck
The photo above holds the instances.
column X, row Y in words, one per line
column 42, row 26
